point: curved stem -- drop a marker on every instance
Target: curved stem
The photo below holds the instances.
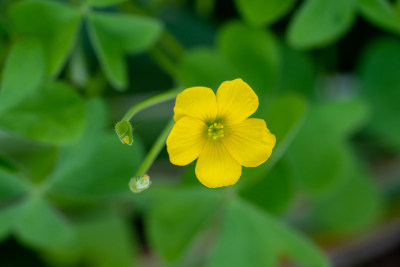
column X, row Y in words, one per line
column 166, row 54
column 160, row 142
column 154, row 100
column 155, row 149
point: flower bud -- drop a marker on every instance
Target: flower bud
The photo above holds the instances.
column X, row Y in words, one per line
column 139, row 183
column 124, row 132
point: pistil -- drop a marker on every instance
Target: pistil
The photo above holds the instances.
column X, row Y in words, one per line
column 216, row 131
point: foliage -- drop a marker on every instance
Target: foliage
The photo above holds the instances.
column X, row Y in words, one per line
column 70, row 69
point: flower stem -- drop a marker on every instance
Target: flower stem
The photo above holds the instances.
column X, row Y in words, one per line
column 171, row 44
column 155, row 150
column 154, row 100
column 164, row 61
column 160, row 142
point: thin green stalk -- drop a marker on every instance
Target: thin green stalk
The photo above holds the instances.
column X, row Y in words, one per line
column 155, row 150
column 160, row 142
column 164, row 61
column 166, row 53
column 169, row 95
column 172, row 45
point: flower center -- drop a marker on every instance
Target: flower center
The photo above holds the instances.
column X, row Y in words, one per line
column 216, row 131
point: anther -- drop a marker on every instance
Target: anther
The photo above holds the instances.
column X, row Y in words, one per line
column 215, row 130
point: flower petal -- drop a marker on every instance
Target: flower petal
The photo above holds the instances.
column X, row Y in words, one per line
column 236, row 101
column 250, row 142
column 186, row 140
column 216, row 167
column 197, row 102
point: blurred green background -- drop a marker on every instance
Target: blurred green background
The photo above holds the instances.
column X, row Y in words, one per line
column 327, row 74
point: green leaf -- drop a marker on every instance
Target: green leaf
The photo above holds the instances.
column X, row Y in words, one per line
column 326, row 129
column 397, row 7
column 8, row 217
column 355, row 205
column 275, row 191
column 318, row 23
column 23, row 73
column 244, row 239
column 252, row 53
column 53, row 23
column 260, row 12
column 171, row 231
column 104, row 3
column 41, row 226
column 189, row 176
column 102, row 240
column 3, row 41
column 35, row 160
column 11, row 185
column 205, row 67
column 251, row 237
column 339, row 120
column 81, row 150
column 320, row 170
column 294, row 245
column 107, row 241
column 5, row 163
column 284, row 117
column 38, row 161
column 297, row 73
column 382, row 89
column 106, row 173
column 381, row 13
column 113, row 36
column 54, row 115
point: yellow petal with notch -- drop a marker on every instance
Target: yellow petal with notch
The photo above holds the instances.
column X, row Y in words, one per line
column 236, row 101
column 197, row 102
column 250, row 142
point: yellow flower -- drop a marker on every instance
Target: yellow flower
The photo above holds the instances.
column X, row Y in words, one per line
column 216, row 130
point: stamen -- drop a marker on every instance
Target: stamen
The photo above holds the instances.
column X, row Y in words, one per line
column 215, row 130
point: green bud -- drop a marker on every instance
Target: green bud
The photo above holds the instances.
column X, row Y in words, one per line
column 124, row 132
column 139, row 183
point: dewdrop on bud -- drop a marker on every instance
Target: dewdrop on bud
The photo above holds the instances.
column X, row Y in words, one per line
column 139, row 183
column 124, row 132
